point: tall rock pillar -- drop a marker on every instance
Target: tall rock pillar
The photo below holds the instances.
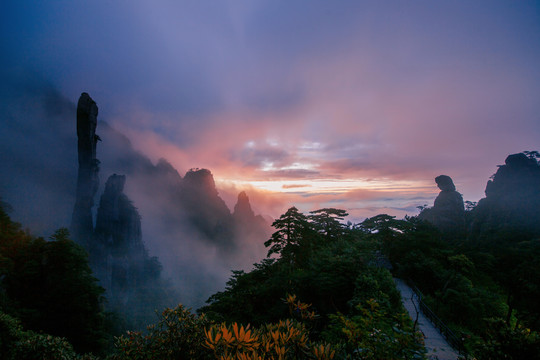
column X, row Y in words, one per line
column 448, row 211
column 87, row 178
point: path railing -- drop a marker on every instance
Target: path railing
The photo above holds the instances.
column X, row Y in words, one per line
column 455, row 341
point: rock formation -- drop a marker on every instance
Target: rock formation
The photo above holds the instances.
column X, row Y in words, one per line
column 116, row 250
column 183, row 209
column 118, row 223
column 448, row 212
column 242, row 209
column 119, row 238
column 243, row 213
column 87, row 178
column 204, row 209
column 247, row 225
column 512, row 200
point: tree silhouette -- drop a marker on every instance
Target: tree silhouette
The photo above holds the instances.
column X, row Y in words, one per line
column 49, row 286
column 287, row 240
column 326, row 222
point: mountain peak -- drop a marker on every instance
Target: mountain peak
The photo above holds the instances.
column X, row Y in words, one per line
column 115, row 184
column 512, row 200
column 242, row 209
column 201, row 179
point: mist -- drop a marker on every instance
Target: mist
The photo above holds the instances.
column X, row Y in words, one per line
column 39, row 149
column 352, row 105
column 39, row 166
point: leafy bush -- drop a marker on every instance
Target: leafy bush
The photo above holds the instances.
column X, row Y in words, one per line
column 502, row 342
column 179, row 334
column 18, row 344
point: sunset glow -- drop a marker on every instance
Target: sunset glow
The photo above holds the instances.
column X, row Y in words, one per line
column 356, row 104
column 330, row 186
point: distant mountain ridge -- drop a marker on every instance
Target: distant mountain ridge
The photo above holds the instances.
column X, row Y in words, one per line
column 190, row 200
column 182, row 212
column 184, row 221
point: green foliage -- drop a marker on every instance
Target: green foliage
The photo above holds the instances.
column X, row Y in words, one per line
column 517, row 271
column 325, row 263
column 252, row 297
column 179, row 334
column 39, row 346
column 182, row 335
column 49, row 286
column 374, row 333
column 327, row 222
column 378, row 284
column 290, row 237
column 10, row 333
column 287, row 339
column 502, row 342
column 18, row 344
column 467, row 282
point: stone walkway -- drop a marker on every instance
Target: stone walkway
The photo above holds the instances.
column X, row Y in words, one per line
column 435, row 343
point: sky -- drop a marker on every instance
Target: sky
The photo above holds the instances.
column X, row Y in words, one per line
column 357, row 105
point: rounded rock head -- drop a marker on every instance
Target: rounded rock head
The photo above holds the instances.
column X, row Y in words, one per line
column 445, row 183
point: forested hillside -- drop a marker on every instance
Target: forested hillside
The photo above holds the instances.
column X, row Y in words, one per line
column 324, row 291
column 47, row 287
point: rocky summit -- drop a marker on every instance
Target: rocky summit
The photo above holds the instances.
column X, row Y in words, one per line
column 87, row 178
column 512, row 200
column 448, row 212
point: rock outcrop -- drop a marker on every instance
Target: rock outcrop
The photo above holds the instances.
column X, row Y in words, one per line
column 248, row 227
column 118, row 234
column 118, row 223
column 87, row 178
column 183, row 209
column 204, row 209
column 512, row 202
column 242, row 209
column 115, row 247
column 448, row 211
column 244, row 215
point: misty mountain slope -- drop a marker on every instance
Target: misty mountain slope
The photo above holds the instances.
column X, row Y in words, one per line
column 38, row 160
column 184, row 220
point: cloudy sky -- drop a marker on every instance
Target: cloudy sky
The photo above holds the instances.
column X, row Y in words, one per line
column 351, row 104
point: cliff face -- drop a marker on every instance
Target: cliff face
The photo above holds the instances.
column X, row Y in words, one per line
column 249, row 227
column 448, row 212
column 118, row 223
column 116, row 250
column 118, row 234
column 244, row 215
column 204, row 209
column 186, row 215
column 242, row 209
column 512, row 200
column 87, row 178
column 181, row 209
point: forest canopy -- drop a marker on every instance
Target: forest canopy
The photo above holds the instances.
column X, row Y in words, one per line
column 326, row 289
